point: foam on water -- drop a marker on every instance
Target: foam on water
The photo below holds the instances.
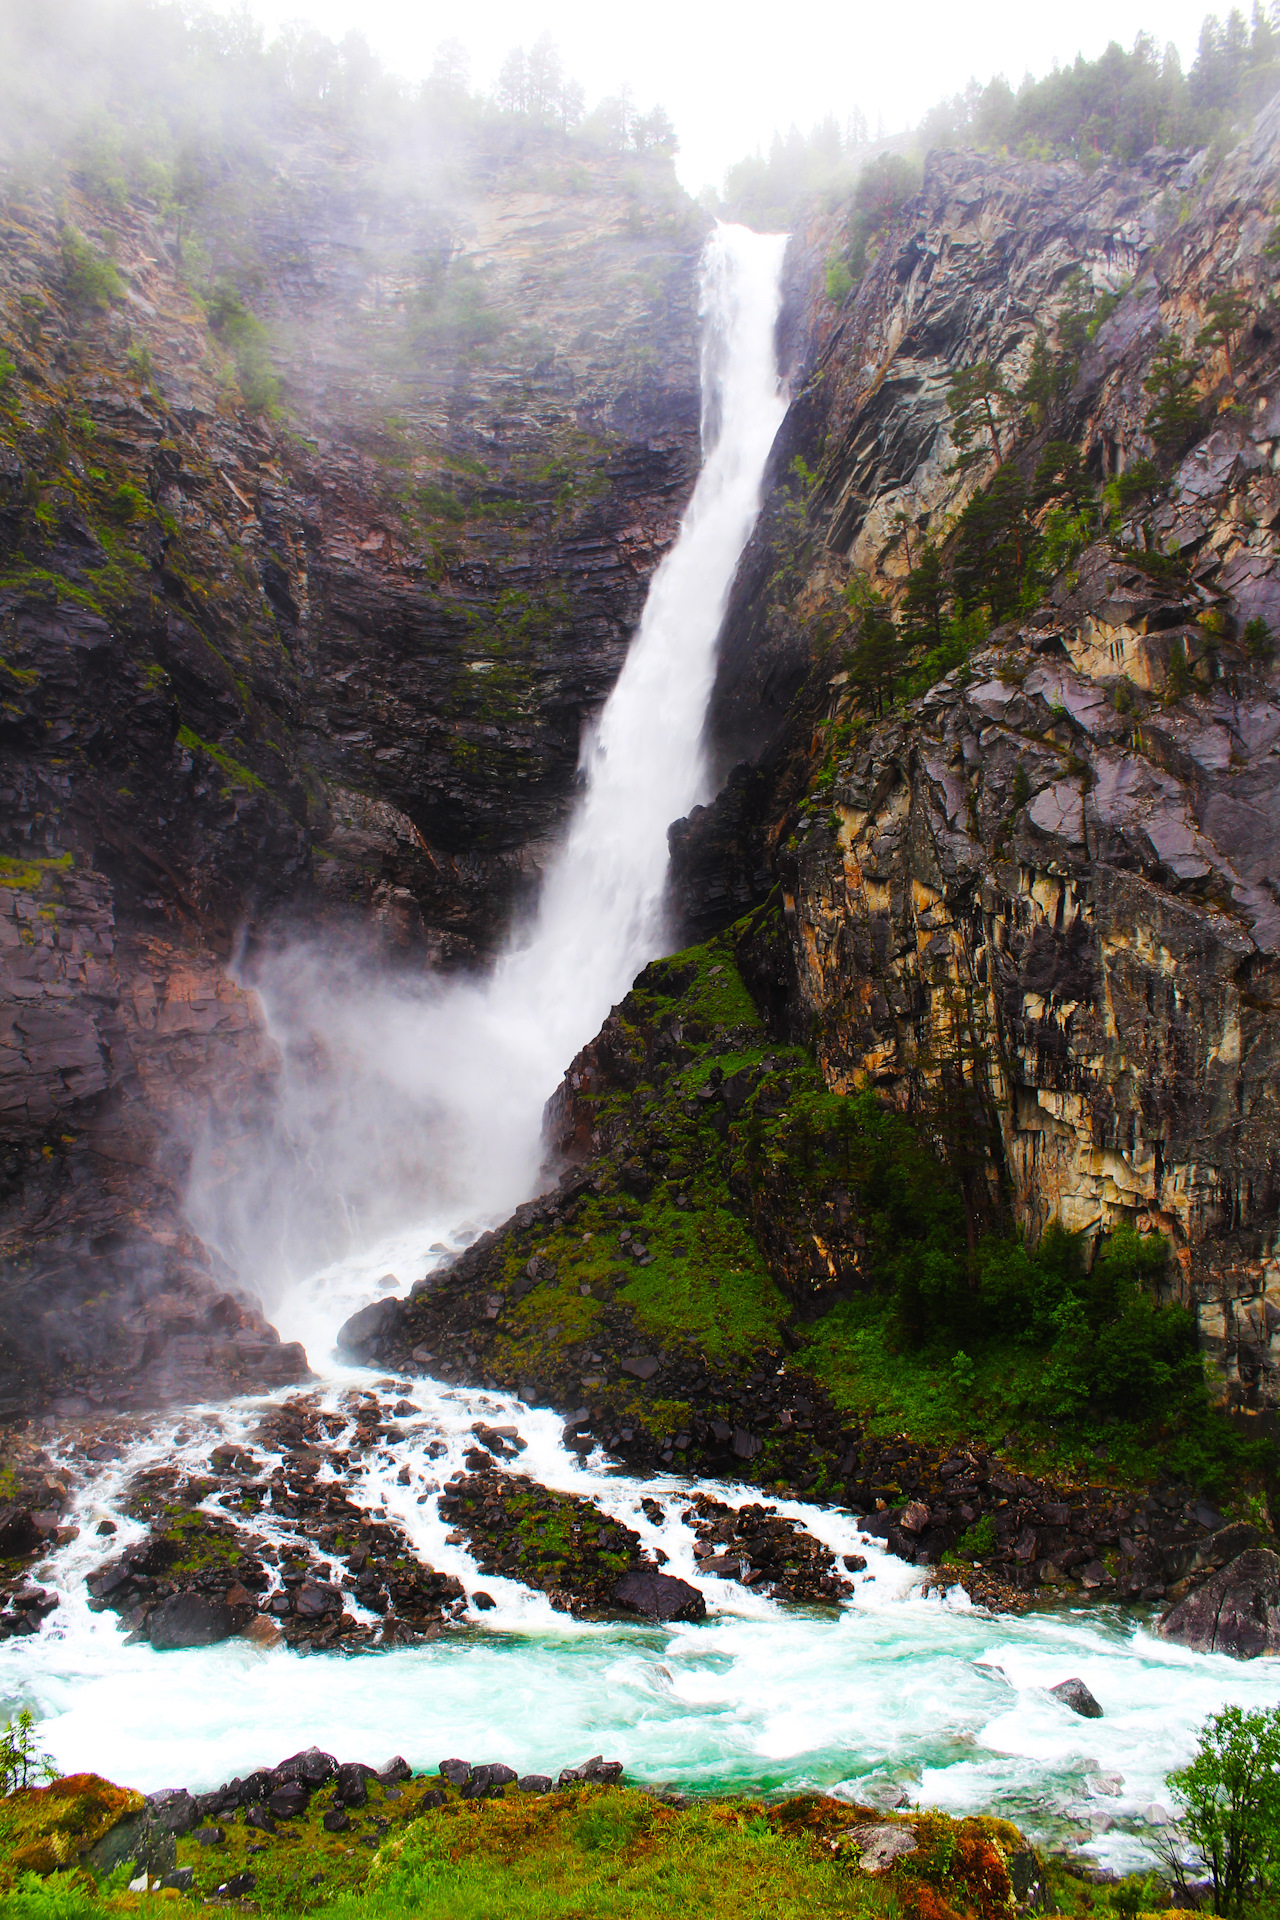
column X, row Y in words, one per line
column 884, row 1689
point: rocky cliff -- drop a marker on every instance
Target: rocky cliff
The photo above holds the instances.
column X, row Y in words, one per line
column 1044, row 893
column 326, row 512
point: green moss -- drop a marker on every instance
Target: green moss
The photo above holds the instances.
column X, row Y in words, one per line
column 238, row 775
column 28, row 876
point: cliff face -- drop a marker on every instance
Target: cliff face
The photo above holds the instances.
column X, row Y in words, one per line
column 328, row 660
column 1046, row 893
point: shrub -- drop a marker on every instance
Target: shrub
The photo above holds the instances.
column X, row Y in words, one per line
column 88, row 277
column 978, row 1540
column 1230, row 1796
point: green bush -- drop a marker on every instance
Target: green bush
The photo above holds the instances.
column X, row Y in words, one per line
column 978, row 1540
column 1230, row 1800
column 89, row 279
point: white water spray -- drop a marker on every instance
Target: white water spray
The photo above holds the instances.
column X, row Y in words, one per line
column 467, row 1067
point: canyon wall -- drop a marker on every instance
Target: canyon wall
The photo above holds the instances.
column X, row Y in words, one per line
column 1041, row 905
column 326, row 514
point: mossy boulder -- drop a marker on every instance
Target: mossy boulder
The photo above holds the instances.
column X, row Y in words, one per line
column 72, row 1823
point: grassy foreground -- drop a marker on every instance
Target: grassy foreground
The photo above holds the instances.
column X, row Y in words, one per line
column 596, row 1851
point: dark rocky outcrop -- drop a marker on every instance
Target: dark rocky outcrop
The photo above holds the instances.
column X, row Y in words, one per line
column 1235, row 1612
column 659, row 1596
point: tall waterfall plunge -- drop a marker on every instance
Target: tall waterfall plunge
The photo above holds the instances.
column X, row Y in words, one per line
column 375, row 1071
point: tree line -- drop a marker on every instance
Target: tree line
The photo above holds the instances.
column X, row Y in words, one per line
column 1116, row 107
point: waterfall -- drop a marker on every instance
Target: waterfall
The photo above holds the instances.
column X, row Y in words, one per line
column 465, row 1067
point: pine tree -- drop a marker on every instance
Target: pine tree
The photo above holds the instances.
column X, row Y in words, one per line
column 1174, row 419
column 1227, row 313
column 924, row 604
column 978, row 399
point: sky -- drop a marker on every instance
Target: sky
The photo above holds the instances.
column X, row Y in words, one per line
column 729, row 74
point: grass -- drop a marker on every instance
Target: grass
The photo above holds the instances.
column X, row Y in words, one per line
column 588, row 1853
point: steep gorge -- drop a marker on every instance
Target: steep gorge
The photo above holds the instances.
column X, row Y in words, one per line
column 325, row 667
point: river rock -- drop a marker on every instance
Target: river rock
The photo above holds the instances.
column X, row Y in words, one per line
column 365, row 1331
column 879, row 1845
column 659, row 1596
column 1237, row 1611
column 191, row 1620
column 1074, row 1694
column 173, row 1810
column 288, row 1801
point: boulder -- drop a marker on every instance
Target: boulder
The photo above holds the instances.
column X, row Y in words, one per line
column 534, row 1783
column 18, row 1531
column 880, row 1846
column 659, row 1596
column 173, row 1810
column 364, row 1333
column 456, row 1772
column 1237, row 1611
column 1074, row 1694
column 350, row 1788
column 288, row 1801
column 191, row 1620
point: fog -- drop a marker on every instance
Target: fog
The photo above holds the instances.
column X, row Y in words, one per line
column 729, row 76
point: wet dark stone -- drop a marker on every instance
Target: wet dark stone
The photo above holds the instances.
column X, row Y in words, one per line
column 180, row 1878
column 369, row 1327
column 288, row 1801
column 1074, row 1694
column 456, row 1772
column 534, row 1783
column 257, row 1816
column 172, row 1810
column 311, row 1767
column 397, row 1768
column 349, row 1783
column 191, row 1620
column 336, row 1820
column 659, row 1596
column 1235, row 1612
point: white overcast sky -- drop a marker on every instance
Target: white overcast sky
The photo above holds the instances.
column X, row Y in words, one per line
column 729, row 74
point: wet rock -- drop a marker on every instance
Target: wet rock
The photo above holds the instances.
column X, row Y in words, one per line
column 210, row 1836
column 880, row 1846
column 1074, row 1694
column 173, row 1810
column 483, row 1602
column 18, row 1530
column 1236, row 1611
column 190, row 1620
column 260, row 1818
column 288, row 1801
column 596, row 1768
column 659, row 1596
column 534, row 1783
column 336, row 1820
column 397, row 1768
column 364, row 1334
column 456, row 1772
column 350, row 1786
column 179, row 1878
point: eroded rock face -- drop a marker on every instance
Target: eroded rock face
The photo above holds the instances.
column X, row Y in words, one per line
column 253, row 671
column 1235, row 1612
column 1054, row 875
